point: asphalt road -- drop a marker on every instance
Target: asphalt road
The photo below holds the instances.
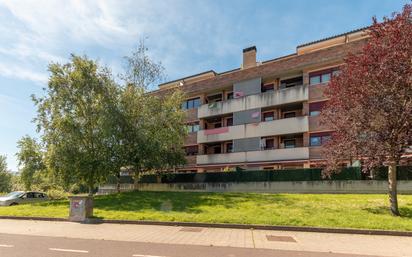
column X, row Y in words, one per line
column 40, row 246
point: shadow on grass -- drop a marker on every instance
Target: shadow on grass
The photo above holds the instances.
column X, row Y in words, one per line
column 188, row 202
column 406, row 211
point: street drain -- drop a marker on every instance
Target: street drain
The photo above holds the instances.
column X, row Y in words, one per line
column 191, row 230
column 280, row 238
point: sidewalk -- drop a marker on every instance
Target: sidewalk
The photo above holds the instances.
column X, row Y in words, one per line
column 282, row 240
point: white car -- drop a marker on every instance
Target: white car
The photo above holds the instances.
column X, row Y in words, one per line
column 20, row 197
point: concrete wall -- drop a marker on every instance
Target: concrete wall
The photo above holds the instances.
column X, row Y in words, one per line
column 298, row 153
column 262, row 129
column 358, row 186
column 260, row 100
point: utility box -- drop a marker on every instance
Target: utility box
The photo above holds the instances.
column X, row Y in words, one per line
column 81, row 208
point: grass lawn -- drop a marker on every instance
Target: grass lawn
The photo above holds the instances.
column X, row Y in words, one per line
column 321, row 210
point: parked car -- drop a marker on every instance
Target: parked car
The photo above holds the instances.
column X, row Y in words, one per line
column 20, row 197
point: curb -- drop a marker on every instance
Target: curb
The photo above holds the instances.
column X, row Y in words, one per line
column 231, row 226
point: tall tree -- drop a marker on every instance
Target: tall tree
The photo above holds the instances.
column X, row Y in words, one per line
column 5, row 176
column 72, row 117
column 370, row 106
column 30, row 160
column 140, row 69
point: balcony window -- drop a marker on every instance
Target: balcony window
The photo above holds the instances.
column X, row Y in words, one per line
column 268, row 143
column 229, row 148
column 319, row 139
column 291, row 82
column 289, row 143
column 268, row 116
column 229, row 122
column 193, row 127
column 268, row 88
column 214, row 98
column 322, row 76
column 289, row 115
column 315, row 108
column 229, row 95
column 191, row 104
column 191, row 150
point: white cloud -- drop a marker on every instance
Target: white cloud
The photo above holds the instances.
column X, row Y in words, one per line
column 13, row 71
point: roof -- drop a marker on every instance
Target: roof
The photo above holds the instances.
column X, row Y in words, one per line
column 188, row 77
column 332, row 37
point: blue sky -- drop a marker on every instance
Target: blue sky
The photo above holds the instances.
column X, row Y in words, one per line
column 188, row 37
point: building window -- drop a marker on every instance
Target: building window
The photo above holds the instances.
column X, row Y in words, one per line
column 229, row 147
column 289, row 115
column 319, row 139
column 289, row 143
column 191, row 150
column 193, row 127
column 268, row 116
column 191, row 104
column 269, row 144
column 315, row 108
column 214, row 98
column 229, row 122
column 322, row 76
column 291, row 82
column 268, row 88
column 229, row 95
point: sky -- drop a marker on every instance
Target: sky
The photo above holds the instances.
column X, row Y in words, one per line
column 188, row 37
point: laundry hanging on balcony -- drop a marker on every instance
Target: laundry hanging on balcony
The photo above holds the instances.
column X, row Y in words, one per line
column 216, row 131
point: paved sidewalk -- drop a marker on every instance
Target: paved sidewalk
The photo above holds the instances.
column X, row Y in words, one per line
column 282, row 240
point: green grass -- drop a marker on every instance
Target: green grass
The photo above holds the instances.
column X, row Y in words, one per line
column 321, row 210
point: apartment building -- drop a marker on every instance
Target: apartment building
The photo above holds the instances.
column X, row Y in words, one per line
column 263, row 115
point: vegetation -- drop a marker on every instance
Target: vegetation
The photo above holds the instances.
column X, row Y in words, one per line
column 370, row 106
column 323, row 210
column 5, row 176
column 30, row 160
column 91, row 127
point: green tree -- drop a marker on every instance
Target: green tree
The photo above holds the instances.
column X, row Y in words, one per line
column 5, row 176
column 30, row 160
column 72, row 117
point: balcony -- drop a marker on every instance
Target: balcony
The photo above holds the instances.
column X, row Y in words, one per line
column 314, row 124
column 286, row 154
column 261, row 129
column 278, row 97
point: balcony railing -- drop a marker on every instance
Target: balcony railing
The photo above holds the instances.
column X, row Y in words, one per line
column 261, row 129
column 273, row 98
column 286, row 154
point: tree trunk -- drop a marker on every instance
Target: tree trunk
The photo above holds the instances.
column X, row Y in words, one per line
column 91, row 187
column 393, row 193
column 118, row 182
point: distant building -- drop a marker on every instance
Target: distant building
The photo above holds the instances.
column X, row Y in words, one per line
column 263, row 115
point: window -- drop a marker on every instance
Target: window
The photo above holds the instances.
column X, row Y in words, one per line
column 217, row 149
column 270, row 144
column 289, row 143
column 214, row 98
column 268, row 88
column 319, row 139
column 229, row 147
column 315, row 108
column 268, row 116
column 229, row 122
column 322, row 76
column 191, row 150
column 191, row 103
column 291, row 82
column 229, row 95
column 193, row 127
column 289, row 115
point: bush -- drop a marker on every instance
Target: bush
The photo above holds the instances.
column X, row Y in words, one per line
column 57, row 194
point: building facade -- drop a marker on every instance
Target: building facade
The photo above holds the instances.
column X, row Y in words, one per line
column 264, row 115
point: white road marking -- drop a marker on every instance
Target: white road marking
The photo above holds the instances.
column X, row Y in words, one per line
column 7, row 246
column 68, row 250
column 140, row 255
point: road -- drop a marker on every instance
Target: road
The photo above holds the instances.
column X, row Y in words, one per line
column 45, row 246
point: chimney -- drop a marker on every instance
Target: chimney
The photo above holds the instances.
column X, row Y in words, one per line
column 249, row 57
